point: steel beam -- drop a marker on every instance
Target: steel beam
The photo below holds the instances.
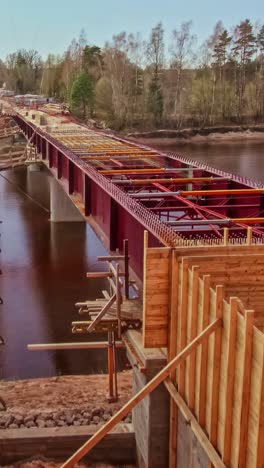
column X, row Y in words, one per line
column 178, row 180
column 198, row 222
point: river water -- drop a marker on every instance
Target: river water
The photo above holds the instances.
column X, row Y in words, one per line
column 44, row 267
column 246, row 159
column 43, row 275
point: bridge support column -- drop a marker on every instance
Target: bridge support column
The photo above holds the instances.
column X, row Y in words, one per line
column 113, row 225
column 34, row 167
column 62, row 209
column 38, row 185
column 150, row 418
column 87, row 195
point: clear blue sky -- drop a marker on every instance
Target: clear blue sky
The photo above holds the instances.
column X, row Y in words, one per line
column 49, row 25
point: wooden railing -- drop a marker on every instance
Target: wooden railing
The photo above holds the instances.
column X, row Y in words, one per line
column 145, row 391
column 222, row 383
column 215, row 373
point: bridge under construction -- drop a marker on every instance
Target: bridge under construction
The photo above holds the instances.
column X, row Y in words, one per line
column 127, row 188
column 195, row 237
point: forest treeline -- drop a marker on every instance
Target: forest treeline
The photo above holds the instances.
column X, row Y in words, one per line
column 135, row 83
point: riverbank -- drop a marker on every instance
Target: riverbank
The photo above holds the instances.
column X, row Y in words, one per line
column 196, row 136
column 61, row 401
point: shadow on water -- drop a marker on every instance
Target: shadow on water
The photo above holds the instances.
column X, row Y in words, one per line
column 44, row 267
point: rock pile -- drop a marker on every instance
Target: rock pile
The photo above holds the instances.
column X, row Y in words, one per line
column 62, row 418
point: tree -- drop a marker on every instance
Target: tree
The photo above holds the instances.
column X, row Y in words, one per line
column 155, row 53
column 155, row 100
column 181, row 50
column 82, row 95
column 260, row 73
column 24, row 70
column 220, row 56
column 93, row 61
column 243, row 50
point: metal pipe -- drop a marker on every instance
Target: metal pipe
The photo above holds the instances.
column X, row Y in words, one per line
column 185, row 207
column 146, row 195
column 147, row 170
column 252, row 191
column 248, row 220
column 194, row 222
column 183, row 180
column 185, row 193
column 59, row 346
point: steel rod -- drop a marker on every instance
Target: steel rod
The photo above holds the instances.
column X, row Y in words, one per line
column 146, row 195
column 60, row 346
column 198, row 222
column 251, row 191
column 147, row 170
column 185, row 193
column 178, row 180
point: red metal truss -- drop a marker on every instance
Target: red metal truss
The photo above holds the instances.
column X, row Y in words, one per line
column 171, row 196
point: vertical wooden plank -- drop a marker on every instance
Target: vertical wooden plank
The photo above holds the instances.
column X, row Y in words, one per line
column 229, row 391
column 249, row 235
column 183, row 325
column 216, row 368
column 145, row 284
column 260, row 447
column 247, row 359
column 195, row 285
column 226, row 236
column 173, row 309
column 204, row 351
column 172, row 351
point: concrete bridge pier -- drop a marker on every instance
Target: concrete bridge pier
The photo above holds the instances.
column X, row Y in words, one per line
column 34, row 167
column 62, row 209
column 150, row 417
column 38, row 186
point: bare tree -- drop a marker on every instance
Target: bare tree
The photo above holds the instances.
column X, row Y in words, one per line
column 182, row 55
column 155, row 55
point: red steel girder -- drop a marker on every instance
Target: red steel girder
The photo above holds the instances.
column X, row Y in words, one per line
column 213, row 213
column 187, row 202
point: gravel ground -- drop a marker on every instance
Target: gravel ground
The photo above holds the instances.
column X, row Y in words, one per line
column 61, row 401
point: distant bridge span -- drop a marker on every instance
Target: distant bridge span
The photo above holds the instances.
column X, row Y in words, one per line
column 125, row 188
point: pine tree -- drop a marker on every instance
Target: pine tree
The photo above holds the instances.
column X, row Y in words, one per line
column 220, row 56
column 260, row 73
column 243, row 50
column 155, row 100
column 82, row 95
column 155, row 51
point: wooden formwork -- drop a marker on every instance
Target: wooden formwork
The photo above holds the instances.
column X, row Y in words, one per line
column 222, row 382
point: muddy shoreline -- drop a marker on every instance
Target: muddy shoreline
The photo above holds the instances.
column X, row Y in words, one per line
column 196, row 136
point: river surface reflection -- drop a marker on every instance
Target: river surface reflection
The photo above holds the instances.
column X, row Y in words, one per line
column 44, row 266
column 246, row 159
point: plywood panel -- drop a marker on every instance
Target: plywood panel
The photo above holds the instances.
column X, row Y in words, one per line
column 156, row 297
